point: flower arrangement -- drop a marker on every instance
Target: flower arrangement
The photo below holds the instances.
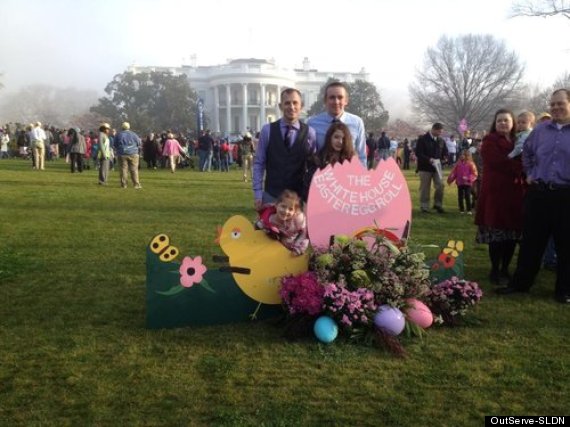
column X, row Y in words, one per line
column 451, row 299
column 349, row 281
column 371, row 286
column 392, row 273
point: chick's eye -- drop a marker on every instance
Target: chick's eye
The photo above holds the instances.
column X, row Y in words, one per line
column 236, row 233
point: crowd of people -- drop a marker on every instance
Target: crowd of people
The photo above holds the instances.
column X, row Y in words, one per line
column 515, row 179
column 81, row 148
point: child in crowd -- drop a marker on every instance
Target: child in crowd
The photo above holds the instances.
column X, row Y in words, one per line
column 464, row 174
column 285, row 221
column 525, row 122
column 172, row 150
column 475, row 151
column 225, row 156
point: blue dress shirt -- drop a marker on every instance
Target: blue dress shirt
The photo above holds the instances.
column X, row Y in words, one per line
column 546, row 153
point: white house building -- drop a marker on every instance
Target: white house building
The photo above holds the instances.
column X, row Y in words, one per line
column 243, row 94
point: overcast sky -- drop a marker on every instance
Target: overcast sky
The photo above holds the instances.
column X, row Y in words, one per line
column 83, row 43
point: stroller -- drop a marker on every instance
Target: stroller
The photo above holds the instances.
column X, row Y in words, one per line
column 24, row 153
column 185, row 161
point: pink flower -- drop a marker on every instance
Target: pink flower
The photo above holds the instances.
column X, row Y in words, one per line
column 191, row 271
column 302, row 293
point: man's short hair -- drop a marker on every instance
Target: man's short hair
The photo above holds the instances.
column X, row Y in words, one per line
column 289, row 91
column 336, row 84
column 437, row 126
column 566, row 91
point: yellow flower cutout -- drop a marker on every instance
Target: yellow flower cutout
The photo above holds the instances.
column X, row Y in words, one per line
column 453, row 248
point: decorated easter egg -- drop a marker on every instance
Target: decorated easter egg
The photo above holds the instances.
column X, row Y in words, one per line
column 390, row 319
column 419, row 313
column 325, row 329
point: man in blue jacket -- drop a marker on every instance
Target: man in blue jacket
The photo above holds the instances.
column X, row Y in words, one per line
column 128, row 144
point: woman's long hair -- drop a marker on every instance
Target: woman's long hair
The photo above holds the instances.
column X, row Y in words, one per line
column 347, row 151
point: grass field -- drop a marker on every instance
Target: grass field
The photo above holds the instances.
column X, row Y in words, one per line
column 74, row 350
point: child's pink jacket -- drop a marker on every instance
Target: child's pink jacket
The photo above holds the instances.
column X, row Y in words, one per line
column 464, row 173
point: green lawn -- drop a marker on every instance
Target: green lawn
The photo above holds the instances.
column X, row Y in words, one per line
column 74, row 350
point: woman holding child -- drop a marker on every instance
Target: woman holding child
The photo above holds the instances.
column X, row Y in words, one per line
column 499, row 207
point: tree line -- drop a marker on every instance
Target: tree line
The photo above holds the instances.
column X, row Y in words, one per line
column 467, row 77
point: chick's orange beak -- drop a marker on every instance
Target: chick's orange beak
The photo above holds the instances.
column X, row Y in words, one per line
column 219, row 234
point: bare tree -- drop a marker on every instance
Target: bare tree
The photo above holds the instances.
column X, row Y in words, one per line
column 532, row 98
column 467, row 77
column 403, row 129
column 542, row 8
column 563, row 81
column 537, row 99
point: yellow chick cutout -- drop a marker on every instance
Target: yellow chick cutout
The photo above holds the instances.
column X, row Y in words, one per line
column 258, row 262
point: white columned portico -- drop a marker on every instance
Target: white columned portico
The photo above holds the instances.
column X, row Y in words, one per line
column 277, row 101
column 262, row 119
column 228, row 109
column 216, row 109
column 244, row 112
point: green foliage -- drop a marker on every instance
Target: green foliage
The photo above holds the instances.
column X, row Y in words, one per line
column 150, row 101
column 364, row 101
column 392, row 273
column 74, row 350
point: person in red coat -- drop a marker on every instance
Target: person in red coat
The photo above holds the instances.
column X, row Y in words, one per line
column 499, row 207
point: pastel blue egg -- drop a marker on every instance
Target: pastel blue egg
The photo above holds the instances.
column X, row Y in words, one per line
column 325, row 329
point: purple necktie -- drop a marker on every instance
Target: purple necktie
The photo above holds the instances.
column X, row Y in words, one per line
column 289, row 136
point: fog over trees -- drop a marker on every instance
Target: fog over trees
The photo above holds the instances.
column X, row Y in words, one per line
column 48, row 104
column 467, row 77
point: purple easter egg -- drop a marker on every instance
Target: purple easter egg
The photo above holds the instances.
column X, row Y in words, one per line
column 391, row 320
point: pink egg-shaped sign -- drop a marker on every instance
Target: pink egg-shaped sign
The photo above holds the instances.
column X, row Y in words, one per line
column 347, row 197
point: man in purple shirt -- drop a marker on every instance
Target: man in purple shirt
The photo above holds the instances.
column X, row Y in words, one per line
column 282, row 152
column 546, row 160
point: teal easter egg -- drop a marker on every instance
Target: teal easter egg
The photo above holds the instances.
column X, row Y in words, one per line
column 325, row 329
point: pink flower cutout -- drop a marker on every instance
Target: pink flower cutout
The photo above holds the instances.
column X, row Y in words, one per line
column 191, row 271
